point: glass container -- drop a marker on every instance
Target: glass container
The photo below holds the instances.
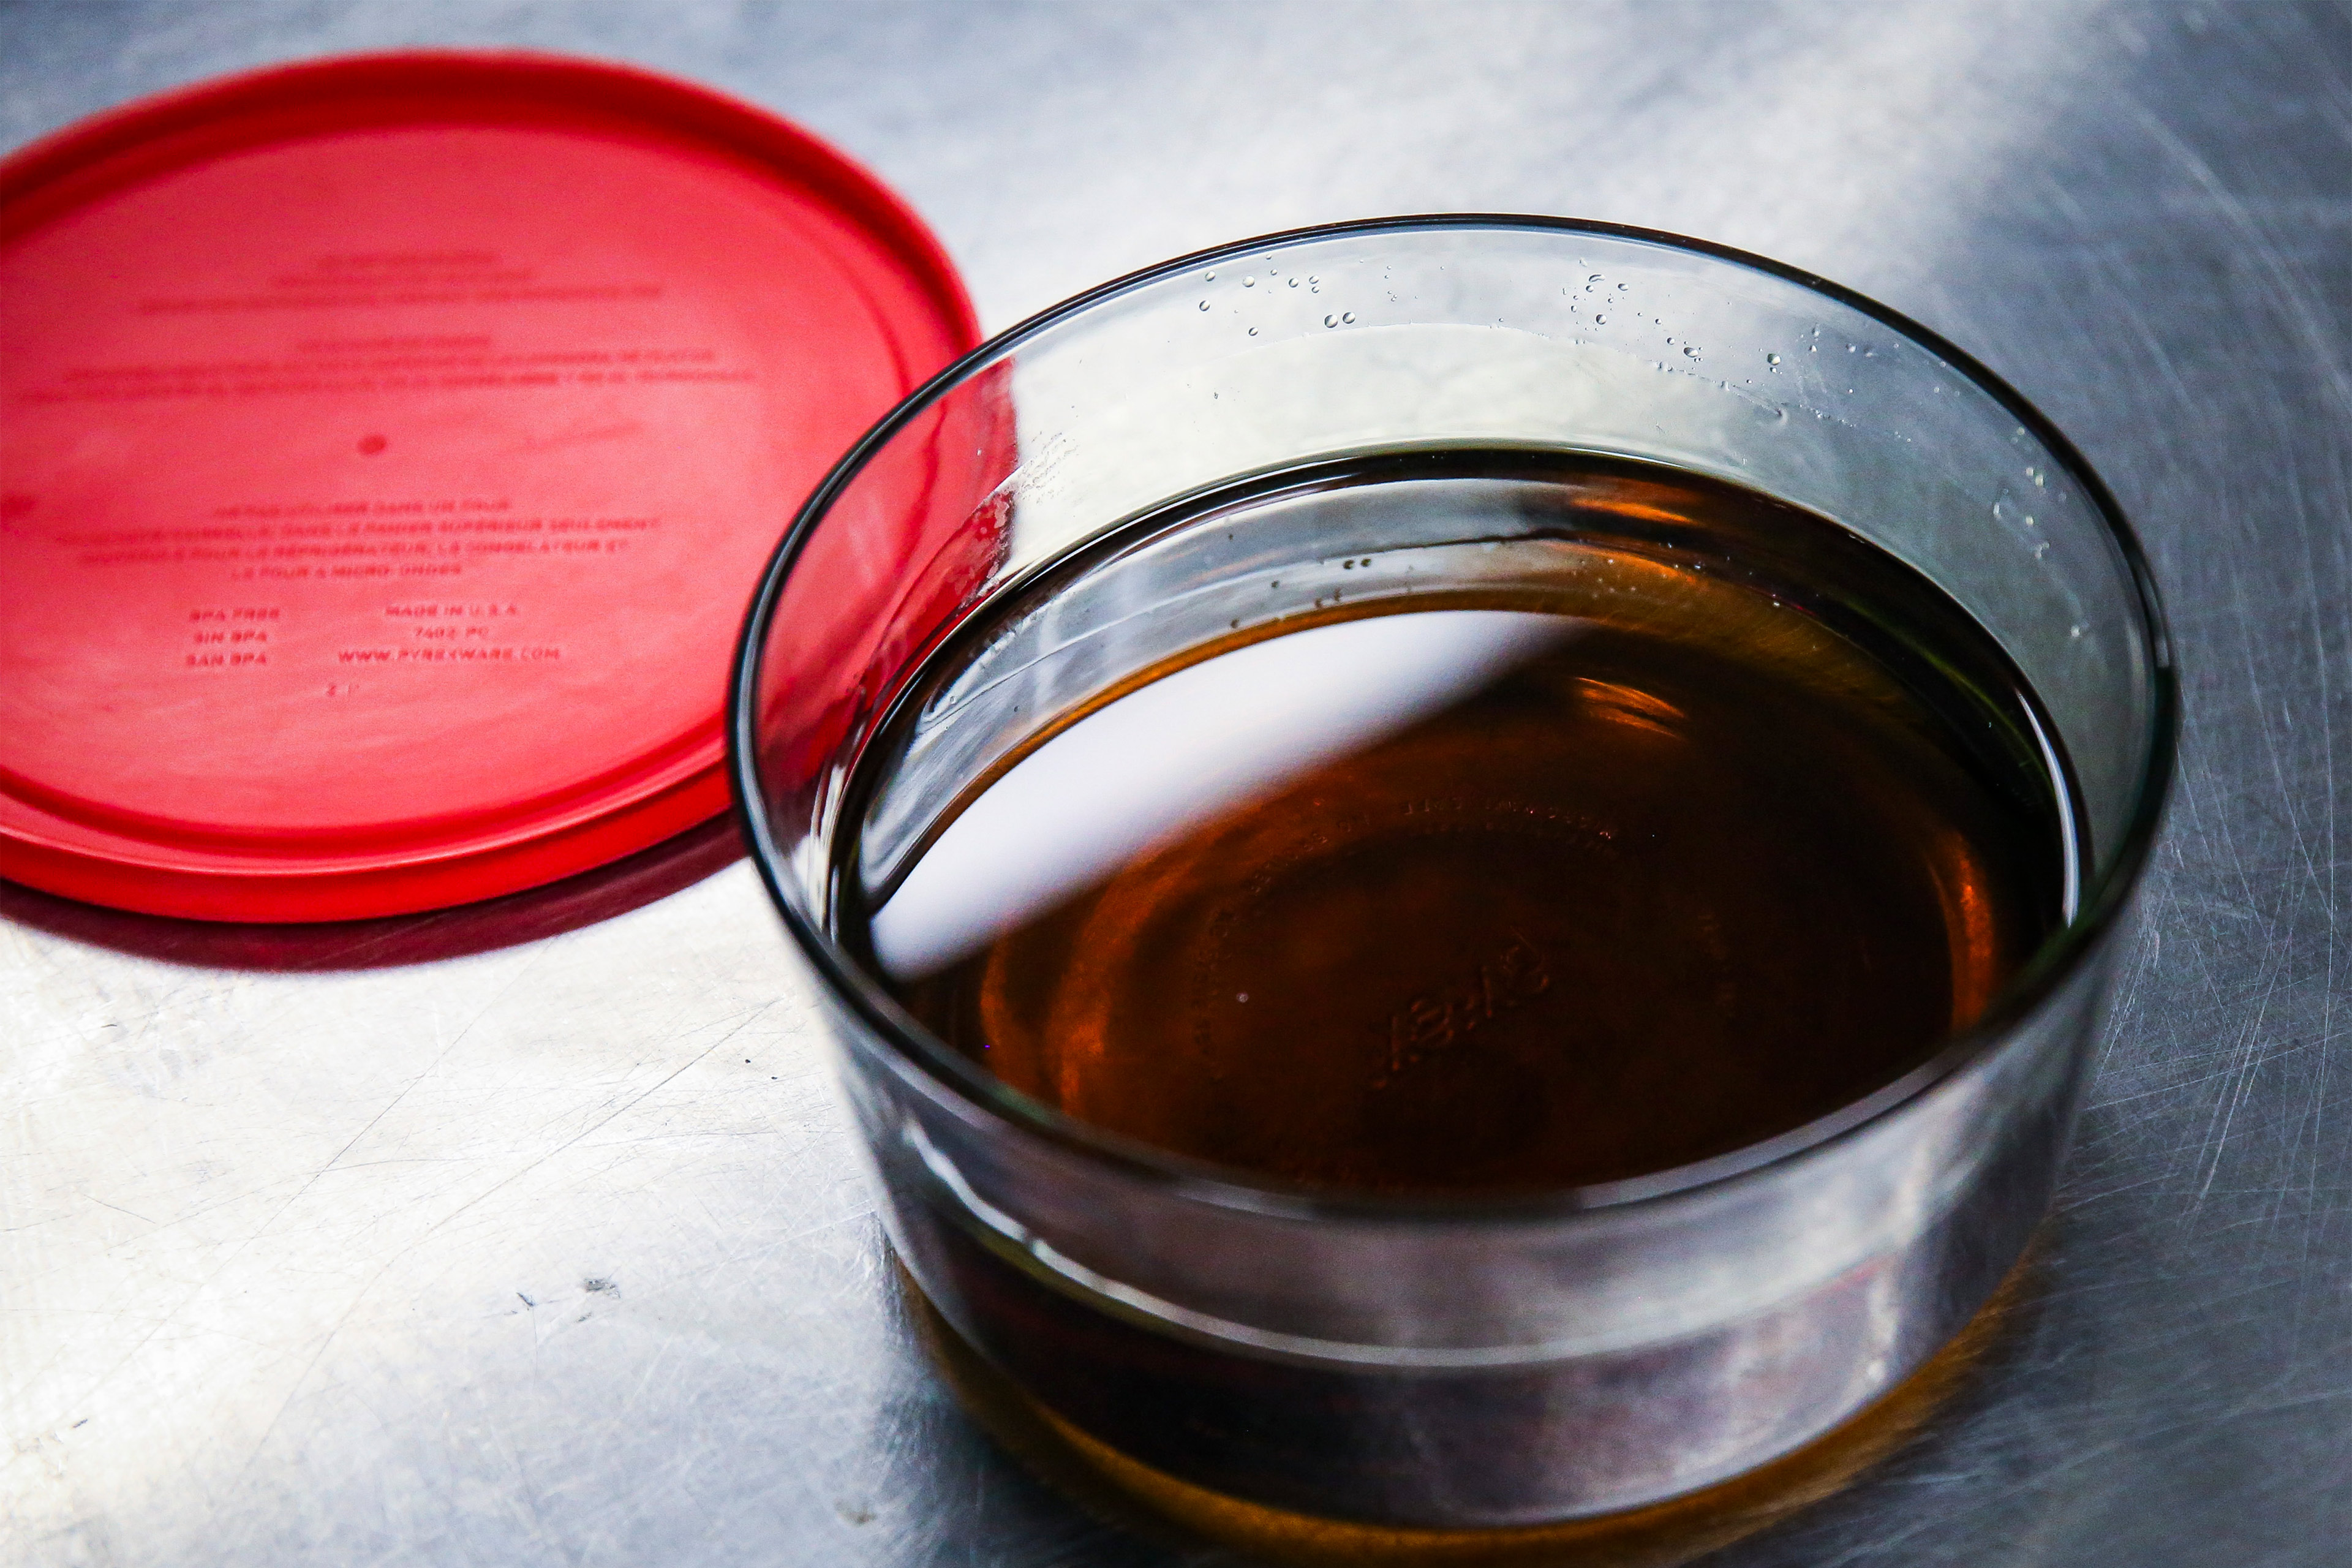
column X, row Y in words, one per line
column 1437, row 1362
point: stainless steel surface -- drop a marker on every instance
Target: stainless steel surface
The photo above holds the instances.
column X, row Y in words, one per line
column 554, row 1253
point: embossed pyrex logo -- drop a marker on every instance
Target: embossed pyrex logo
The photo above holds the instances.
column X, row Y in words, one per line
column 1435, row 1020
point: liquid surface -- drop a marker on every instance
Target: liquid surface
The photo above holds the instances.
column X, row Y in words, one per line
column 1710, row 821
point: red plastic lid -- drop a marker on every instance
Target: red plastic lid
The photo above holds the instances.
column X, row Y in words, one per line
column 388, row 448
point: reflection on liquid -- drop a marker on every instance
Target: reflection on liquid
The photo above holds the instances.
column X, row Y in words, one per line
column 1135, row 774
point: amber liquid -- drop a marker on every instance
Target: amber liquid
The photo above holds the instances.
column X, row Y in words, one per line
column 1748, row 821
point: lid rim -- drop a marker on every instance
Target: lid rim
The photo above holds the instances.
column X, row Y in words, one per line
column 300, row 894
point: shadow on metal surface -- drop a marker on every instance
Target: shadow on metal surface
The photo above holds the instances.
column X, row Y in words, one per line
column 575, row 901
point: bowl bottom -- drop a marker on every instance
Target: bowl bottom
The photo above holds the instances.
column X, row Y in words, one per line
column 1126, row 1492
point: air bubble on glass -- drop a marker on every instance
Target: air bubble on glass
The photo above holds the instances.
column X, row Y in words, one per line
column 1204, row 304
column 1347, row 317
column 1331, row 321
column 1771, row 359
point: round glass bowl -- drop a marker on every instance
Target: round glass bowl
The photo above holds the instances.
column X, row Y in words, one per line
column 1458, row 1363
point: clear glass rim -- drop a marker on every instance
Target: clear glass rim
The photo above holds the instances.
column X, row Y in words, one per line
column 930, row 1064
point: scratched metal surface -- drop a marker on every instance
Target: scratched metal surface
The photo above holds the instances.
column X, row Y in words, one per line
column 550, row 1250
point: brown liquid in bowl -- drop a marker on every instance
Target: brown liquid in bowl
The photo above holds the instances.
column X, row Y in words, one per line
column 1697, row 870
